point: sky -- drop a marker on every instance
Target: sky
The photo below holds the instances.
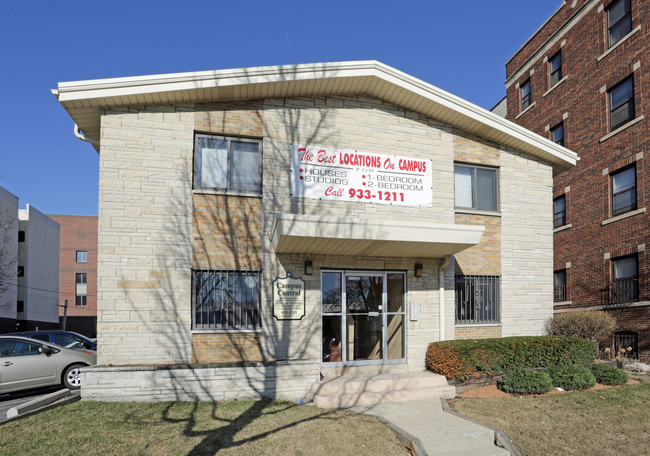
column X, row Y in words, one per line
column 458, row 46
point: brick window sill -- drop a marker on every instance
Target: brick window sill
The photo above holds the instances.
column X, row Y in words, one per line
column 477, row 212
column 226, row 331
column 621, row 128
column 476, row 325
column 623, row 216
column 553, row 88
column 209, row 191
column 562, row 303
column 562, row 228
column 525, row 110
column 621, row 41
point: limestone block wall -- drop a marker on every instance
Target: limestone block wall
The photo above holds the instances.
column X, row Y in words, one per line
column 527, row 244
column 145, row 229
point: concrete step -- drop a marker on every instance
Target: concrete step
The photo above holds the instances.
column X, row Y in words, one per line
column 349, row 391
column 379, row 383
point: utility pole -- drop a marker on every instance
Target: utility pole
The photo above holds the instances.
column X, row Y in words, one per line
column 65, row 312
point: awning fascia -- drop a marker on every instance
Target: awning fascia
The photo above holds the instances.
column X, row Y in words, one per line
column 315, row 235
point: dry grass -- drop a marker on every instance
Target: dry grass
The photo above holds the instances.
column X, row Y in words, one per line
column 598, row 422
column 232, row 428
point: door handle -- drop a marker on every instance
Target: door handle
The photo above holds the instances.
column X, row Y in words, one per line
column 7, row 364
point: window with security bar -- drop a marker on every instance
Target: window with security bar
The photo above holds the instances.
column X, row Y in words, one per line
column 477, row 299
column 224, row 299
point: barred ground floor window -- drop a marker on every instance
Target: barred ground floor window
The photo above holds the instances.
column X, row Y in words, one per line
column 477, row 299
column 225, row 299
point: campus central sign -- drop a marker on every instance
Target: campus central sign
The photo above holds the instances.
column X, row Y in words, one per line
column 288, row 298
column 348, row 175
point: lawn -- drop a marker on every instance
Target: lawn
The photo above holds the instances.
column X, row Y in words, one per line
column 612, row 421
column 230, row 428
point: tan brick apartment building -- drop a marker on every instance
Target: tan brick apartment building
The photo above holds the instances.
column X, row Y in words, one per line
column 582, row 80
column 261, row 227
column 78, row 272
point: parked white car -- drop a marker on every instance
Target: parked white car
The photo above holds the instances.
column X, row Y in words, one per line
column 27, row 363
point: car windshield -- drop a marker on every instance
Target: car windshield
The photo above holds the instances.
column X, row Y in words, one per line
column 70, row 341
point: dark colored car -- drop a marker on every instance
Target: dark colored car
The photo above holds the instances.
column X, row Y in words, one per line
column 66, row 339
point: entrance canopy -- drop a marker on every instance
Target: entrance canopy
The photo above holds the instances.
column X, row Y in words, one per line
column 364, row 237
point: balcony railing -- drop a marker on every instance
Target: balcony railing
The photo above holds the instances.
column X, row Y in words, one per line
column 622, row 291
column 560, row 293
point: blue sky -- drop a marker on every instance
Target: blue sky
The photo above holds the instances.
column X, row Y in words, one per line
column 458, row 46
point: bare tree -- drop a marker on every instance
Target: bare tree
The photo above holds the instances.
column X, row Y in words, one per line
column 8, row 257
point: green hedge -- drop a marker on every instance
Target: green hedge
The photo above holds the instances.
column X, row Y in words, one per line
column 608, row 375
column 525, row 381
column 462, row 358
column 573, row 377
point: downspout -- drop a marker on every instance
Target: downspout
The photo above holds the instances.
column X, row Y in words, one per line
column 81, row 136
column 441, row 293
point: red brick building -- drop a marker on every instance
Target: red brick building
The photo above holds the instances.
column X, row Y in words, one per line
column 78, row 272
column 582, row 80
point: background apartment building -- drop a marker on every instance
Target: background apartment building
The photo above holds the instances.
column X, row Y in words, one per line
column 78, row 272
column 30, row 267
column 581, row 80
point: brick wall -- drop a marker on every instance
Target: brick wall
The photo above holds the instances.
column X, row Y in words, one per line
column 477, row 332
column 589, row 70
column 226, row 347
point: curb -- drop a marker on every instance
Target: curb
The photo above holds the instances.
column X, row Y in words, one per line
column 46, row 402
column 500, row 438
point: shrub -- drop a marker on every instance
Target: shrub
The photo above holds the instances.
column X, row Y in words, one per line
column 608, row 375
column 586, row 325
column 461, row 358
column 572, row 377
column 525, row 381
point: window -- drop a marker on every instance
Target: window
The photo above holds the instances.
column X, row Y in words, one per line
column 619, row 21
column 475, row 187
column 624, row 190
column 81, row 298
column 477, row 299
column 621, row 103
column 226, row 299
column 559, row 286
column 231, row 164
column 20, row 306
column 18, row 347
column 526, row 94
column 559, row 211
column 21, row 271
column 82, row 256
column 21, row 236
column 557, row 134
column 625, row 284
column 555, row 65
column 627, row 340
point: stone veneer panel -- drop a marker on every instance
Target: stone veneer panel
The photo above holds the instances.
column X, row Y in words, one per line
column 527, row 244
column 145, row 226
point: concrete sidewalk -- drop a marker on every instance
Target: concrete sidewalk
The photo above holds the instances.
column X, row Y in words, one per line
column 434, row 431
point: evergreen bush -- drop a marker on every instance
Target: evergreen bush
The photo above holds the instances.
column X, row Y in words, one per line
column 570, row 378
column 608, row 375
column 525, row 381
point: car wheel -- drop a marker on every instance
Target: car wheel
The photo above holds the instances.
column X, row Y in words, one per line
column 71, row 377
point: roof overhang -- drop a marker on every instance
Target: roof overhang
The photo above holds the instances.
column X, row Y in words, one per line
column 316, row 235
column 85, row 100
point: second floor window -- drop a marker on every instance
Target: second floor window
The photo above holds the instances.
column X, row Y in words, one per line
column 555, row 65
column 230, row 164
column 475, row 187
column 559, row 286
column 557, row 134
column 619, row 21
column 621, row 103
column 624, row 190
column 559, row 211
column 81, row 288
column 526, row 95
column 625, row 284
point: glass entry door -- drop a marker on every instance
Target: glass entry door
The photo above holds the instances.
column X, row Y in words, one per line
column 363, row 317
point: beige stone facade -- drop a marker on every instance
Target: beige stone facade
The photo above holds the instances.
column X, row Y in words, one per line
column 156, row 228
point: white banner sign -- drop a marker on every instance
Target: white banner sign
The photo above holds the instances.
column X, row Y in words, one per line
column 349, row 175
